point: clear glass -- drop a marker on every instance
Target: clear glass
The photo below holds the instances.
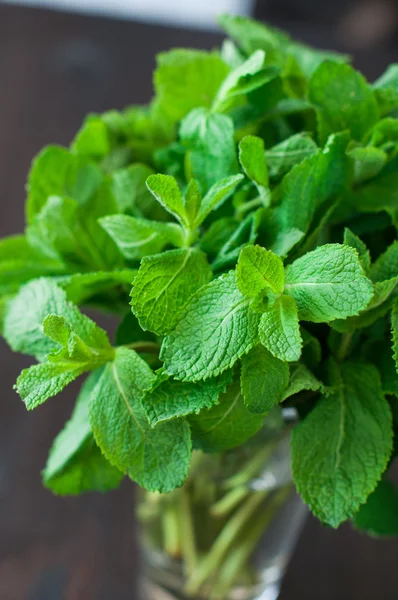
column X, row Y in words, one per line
column 228, row 533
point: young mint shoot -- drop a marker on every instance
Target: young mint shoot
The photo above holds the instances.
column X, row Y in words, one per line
column 242, row 228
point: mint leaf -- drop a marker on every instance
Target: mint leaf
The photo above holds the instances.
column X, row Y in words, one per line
column 217, row 235
column 279, row 330
column 83, row 287
column 166, row 191
column 308, row 188
column 171, row 399
column 263, row 380
column 216, row 196
column 330, row 83
column 350, row 239
column 379, row 194
column 185, row 79
column 284, row 156
column 93, row 139
column 368, row 162
column 137, row 238
column 75, row 463
column 20, row 262
column 386, row 266
column 301, row 379
column 394, row 331
column 252, row 159
column 226, row 425
column 259, row 269
column 164, row 284
column 23, row 326
column 379, row 516
column 244, row 234
column 57, row 172
column 209, row 141
column 41, row 382
column 158, row 458
column 328, row 284
column 386, row 90
column 132, row 195
column 251, row 35
column 342, row 447
column 216, row 329
column 245, row 78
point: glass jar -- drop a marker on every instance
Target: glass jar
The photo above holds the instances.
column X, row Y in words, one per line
column 228, row 533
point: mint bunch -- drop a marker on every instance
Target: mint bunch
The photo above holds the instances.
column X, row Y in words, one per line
column 243, row 228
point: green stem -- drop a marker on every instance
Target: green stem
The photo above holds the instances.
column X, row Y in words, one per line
column 144, row 347
column 252, row 468
column 248, row 206
column 245, row 547
column 171, row 530
column 188, row 545
column 345, row 345
column 226, row 538
column 228, row 502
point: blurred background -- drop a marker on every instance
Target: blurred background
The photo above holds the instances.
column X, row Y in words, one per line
column 60, row 59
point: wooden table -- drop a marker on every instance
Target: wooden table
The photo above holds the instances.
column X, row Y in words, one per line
column 54, row 68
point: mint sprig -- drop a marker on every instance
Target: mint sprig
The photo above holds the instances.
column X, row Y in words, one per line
column 243, row 229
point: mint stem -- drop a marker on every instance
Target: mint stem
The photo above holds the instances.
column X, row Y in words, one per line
column 210, row 563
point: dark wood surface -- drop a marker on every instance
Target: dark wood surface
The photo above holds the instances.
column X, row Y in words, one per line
column 54, row 68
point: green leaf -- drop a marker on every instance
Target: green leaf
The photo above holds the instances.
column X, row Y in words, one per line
column 379, row 194
column 185, row 79
column 386, row 90
column 368, row 162
column 137, row 238
column 284, row 156
column 244, row 234
column 23, row 326
column 164, row 284
column 279, row 330
column 41, row 382
column 252, row 159
column 217, row 235
column 352, row 240
column 358, row 111
column 157, row 459
column 301, row 379
column 209, row 140
column 328, row 284
column 216, row 196
column 310, row 187
column 394, row 331
column 226, row 425
column 88, row 287
column 216, row 329
column 171, row 399
column 259, row 269
column 57, row 172
column 251, row 35
column 132, row 195
column 245, row 78
column 193, row 199
column 342, row 447
column 93, row 139
column 379, row 516
column 20, row 262
column 386, row 266
column 166, row 191
column 263, row 380
column 75, row 463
